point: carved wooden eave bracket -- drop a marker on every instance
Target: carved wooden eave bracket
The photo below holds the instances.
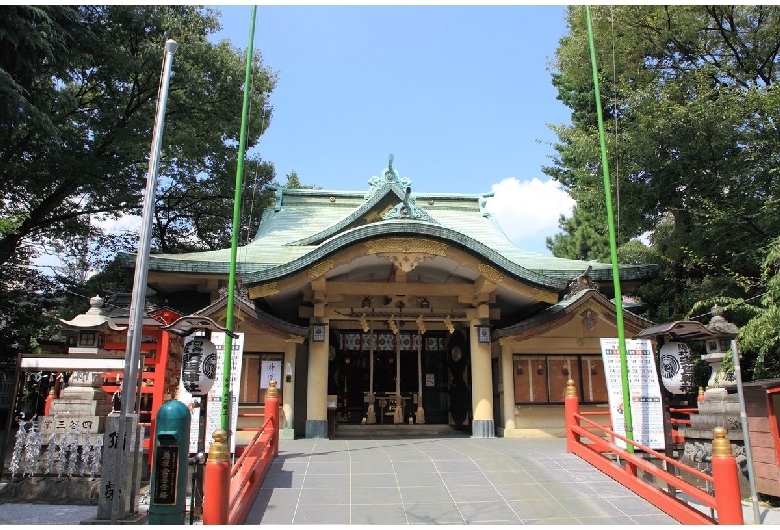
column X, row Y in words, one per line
column 405, row 253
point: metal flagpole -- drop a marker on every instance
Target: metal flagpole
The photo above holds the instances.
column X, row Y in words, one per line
column 745, row 433
column 612, row 245
column 138, row 298
column 227, row 366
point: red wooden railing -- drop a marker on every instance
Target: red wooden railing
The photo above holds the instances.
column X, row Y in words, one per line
column 678, row 438
column 259, row 415
column 228, row 493
column 594, row 443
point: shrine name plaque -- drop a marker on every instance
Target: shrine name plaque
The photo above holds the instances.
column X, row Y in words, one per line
column 166, row 470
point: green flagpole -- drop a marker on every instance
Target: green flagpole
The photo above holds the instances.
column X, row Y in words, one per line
column 612, row 244
column 226, row 376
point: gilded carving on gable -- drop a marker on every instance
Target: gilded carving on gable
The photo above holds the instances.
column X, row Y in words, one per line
column 503, row 341
column 544, row 296
column 267, row 289
column 490, row 273
column 297, row 339
column 406, row 245
column 320, row 268
column 406, row 262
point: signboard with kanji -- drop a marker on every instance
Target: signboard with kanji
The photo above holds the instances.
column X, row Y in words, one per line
column 647, row 415
column 214, row 397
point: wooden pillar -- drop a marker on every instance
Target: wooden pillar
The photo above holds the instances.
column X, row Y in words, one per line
column 508, row 385
column 482, row 425
column 288, row 388
column 317, row 389
column 420, row 414
column 398, row 416
column 371, row 414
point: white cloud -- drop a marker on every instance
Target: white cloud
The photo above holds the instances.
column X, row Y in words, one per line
column 528, row 211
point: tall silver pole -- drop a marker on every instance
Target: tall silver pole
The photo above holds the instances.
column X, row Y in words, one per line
column 138, row 299
column 745, row 434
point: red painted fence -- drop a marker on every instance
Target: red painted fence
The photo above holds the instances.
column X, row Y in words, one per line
column 228, row 493
column 593, row 443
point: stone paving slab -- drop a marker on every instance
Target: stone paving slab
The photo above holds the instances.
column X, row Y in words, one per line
column 442, row 481
column 414, row 481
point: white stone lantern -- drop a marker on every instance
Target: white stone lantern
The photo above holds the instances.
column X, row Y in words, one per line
column 718, row 348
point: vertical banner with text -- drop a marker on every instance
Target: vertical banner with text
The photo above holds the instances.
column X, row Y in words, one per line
column 214, row 397
column 644, row 386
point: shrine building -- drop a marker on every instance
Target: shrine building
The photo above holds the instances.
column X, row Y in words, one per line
column 387, row 306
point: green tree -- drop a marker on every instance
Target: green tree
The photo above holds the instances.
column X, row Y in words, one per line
column 759, row 337
column 78, row 93
column 689, row 99
column 80, row 90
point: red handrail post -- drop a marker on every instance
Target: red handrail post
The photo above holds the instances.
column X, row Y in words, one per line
column 216, row 481
column 272, row 414
column 631, row 468
column 728, row 500
column 571, row 407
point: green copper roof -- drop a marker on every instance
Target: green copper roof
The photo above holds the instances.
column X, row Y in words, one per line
column 305, row 225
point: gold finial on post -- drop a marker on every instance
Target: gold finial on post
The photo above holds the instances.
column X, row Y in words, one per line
column 571, row 390
column 720, row 444
column 272, row 390
column 218, row 452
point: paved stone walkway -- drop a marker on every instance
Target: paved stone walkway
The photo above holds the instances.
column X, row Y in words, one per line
column 442, row 481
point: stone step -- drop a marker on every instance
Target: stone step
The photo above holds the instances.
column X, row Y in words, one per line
column 401, row 429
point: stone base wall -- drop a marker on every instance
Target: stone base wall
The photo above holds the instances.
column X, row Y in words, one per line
column 737, row 449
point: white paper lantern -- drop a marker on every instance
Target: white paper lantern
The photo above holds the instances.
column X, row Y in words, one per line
column 199, row 366
column 676, row 367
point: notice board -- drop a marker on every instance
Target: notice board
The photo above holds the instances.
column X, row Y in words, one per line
column 647, row 415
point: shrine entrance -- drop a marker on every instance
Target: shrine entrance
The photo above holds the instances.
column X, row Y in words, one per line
column 408, row 375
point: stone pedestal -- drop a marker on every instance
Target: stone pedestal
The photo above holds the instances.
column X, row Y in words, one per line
column 720, row 408
column 122, row 483
column 81, row 408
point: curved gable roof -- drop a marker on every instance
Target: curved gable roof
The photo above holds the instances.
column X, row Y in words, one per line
column 560, row 313
column 306, row 225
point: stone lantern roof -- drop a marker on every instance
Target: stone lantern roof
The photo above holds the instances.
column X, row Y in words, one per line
column 719, row 325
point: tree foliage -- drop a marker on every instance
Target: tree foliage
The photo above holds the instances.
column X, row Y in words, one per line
column 78, row 94
column 689, row 99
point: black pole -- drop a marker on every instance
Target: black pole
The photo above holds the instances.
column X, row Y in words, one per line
column 668, row 448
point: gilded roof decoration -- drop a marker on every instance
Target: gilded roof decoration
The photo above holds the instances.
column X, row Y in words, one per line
column 320, row 268
column 406, row 261
column 266, row 289
column 406, row 245
column 297, row 339
column 490, row 273
column 544, row 296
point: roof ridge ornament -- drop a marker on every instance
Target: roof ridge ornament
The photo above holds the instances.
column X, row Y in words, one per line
column 582, row 282
column 389, row 178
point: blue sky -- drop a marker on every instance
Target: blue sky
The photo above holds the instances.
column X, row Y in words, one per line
column 460, row 95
